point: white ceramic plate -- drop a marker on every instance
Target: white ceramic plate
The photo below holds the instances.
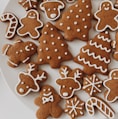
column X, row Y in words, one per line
column 11, row 74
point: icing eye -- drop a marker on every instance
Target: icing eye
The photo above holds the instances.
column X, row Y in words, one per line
column 30, row 14
column 30, row 44
column 54, row 9
column 104, row 5
column 63, row 86
column 22, row 82
column 114, row 74
column 27, row 87
column 70, row 88
column 44, row 90
column 49, row 89
column 49, row 9
column 108, row 5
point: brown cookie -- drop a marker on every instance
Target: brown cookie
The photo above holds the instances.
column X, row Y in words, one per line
column 19, row 52
column 102, row 106
column 69, row 81
column 52, row 49
column 74, row 107
column 48, row 101
column 92, row 85
column 52, row 8
column 76, row 21
column 106, row 16
column 70, row 1
column 111, row 84
column 29, row 4
column 95, row 56
column 116, row 4
column 13, row 24
column 30, row 25
column 30, row 80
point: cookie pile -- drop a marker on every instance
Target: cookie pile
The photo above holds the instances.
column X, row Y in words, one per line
column 72, row 23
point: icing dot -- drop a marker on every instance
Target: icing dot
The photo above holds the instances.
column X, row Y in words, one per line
column 53, row 43
column 59, row 57
column 32, row 48
column 44, row 41
column 49, row 89
column 61, row 24
column 88, row 89
column 106, row 32
column 94, row 90
column 21, row 50
column 40, row 50
column 16, row 52
column 48, row 9
column 75, row 22
column 21, row 90
column 52, row 35
column 47, row 25
column 85, row 27
column 68, row 28
column 58, row 37
column 76, row 5
column 30, row 44
column 86, row 82
column 70, row 88
column 77, row 16
column 44, row 90
column 99, row 86
column 71, row 11
column 80, row 10
column 68, row 17
column 63, row 86
column 78, row 30
column 22, row 83
column 45, row 32
column 62, row 44
column 87, row 6
column 48, row 57
column 56, row 50
column 83, row 1
column 88, row 14
column 40, row 60
column 83, row 19
column 66, row 53
column 51, row 29
column 47, row 49
column 27, row 86
column 54, row 9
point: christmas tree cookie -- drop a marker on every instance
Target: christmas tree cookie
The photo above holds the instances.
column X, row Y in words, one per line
column 95, row 56
column 52, row 49
column 76, row 21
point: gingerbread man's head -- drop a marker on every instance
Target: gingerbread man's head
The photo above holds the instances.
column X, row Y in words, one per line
column 113, row 74
column 106, row 5
column 32, row 14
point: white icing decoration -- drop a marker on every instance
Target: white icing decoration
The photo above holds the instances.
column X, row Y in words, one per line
column 104, row 39
column 98, row 57
column 14, row 64
column 62, row 44
column 59, row 57
column 109, row 90
column 48, row 57
column 99, row 46
column 27, row 48
column 77, row 16
column 35, row 79
column 59, row 7
column 25, row 60
column 99, row 20
column 93, row 101
column 47, row 94
column 83, row 19
column 70, row 1
column 92, row 65
column 35, row 29
column 68, row 28
column 44, row 41
column 21, row 90
column 61, row 24
column 6, row 50
column 92, row 85
column 11, row 29
column 48, row 99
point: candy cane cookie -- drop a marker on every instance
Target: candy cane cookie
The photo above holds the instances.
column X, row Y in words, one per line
column 100, row 105
column 13, row 23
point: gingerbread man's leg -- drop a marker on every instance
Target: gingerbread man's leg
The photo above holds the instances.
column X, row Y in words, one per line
column 101, row 25
column 34, row 34
column 113, row 24
column 13, row 62
column 42, row 114
column 22, row 30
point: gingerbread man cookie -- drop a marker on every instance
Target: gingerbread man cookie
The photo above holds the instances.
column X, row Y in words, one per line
column 106, row 16
column 13, row 24
column 48, row 101
column 69, row 83
column 111, row 84
column 19, row 52
column 52, row 8
column 30, row 24
column 74, row 107
column 29, row 4
column 30, row 80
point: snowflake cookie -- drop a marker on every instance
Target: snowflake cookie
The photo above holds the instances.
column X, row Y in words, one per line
column 74, row 107
column 92, row 84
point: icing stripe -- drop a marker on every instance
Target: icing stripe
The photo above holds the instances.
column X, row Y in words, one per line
column 12, row 63
column 99, row 46
column 92, row 65
column 6, row 49
column 96, row 57
column 26, row 60
column 104, row 39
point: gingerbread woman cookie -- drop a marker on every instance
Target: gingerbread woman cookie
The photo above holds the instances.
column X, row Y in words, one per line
column 48, row 101
column 30, row 24
column 30, row 80
column 69, row 83
column 106, row 16
column 13, row 24
column 29, row 4
column 19, row 52
column 52, row 8
column 111, row 84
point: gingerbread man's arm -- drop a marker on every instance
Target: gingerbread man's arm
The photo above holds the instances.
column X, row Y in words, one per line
column 115, row 12
column 98, row 14
column 38, row 101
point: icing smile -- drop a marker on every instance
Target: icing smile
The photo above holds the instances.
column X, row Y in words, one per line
column 48, row 94
column 106, row 8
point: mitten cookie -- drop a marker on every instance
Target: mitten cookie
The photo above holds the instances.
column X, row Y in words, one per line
column 92, row 85
column 95, row 56
column 116, row 4
column 74, row 107
column 102, row 106
column 115, row 47
column 48, row 101
column 68, row 83
column 52, row 49
column 30, row 80
column 52, row 8
column 111, row 84
column 30, row 24
column 106, row 16
column 76, row 21
column 29, row 4
column 19, row 52
column 13, row 23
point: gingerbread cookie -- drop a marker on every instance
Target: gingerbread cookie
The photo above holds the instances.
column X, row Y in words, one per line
column 92, row 85
column 52, row 8
column 76, row 21
column 30, row 24
column 111, row 84
column 30, row 80
column 19, row 52
column 115, row 47
column 74, row 107
column 116, row 4
column 52, row 49
column 102, row 106
column 68, row 83
column 29, row 4
column 48, row 101
column 13, row 24
column 95, row 56
column 106, row 16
